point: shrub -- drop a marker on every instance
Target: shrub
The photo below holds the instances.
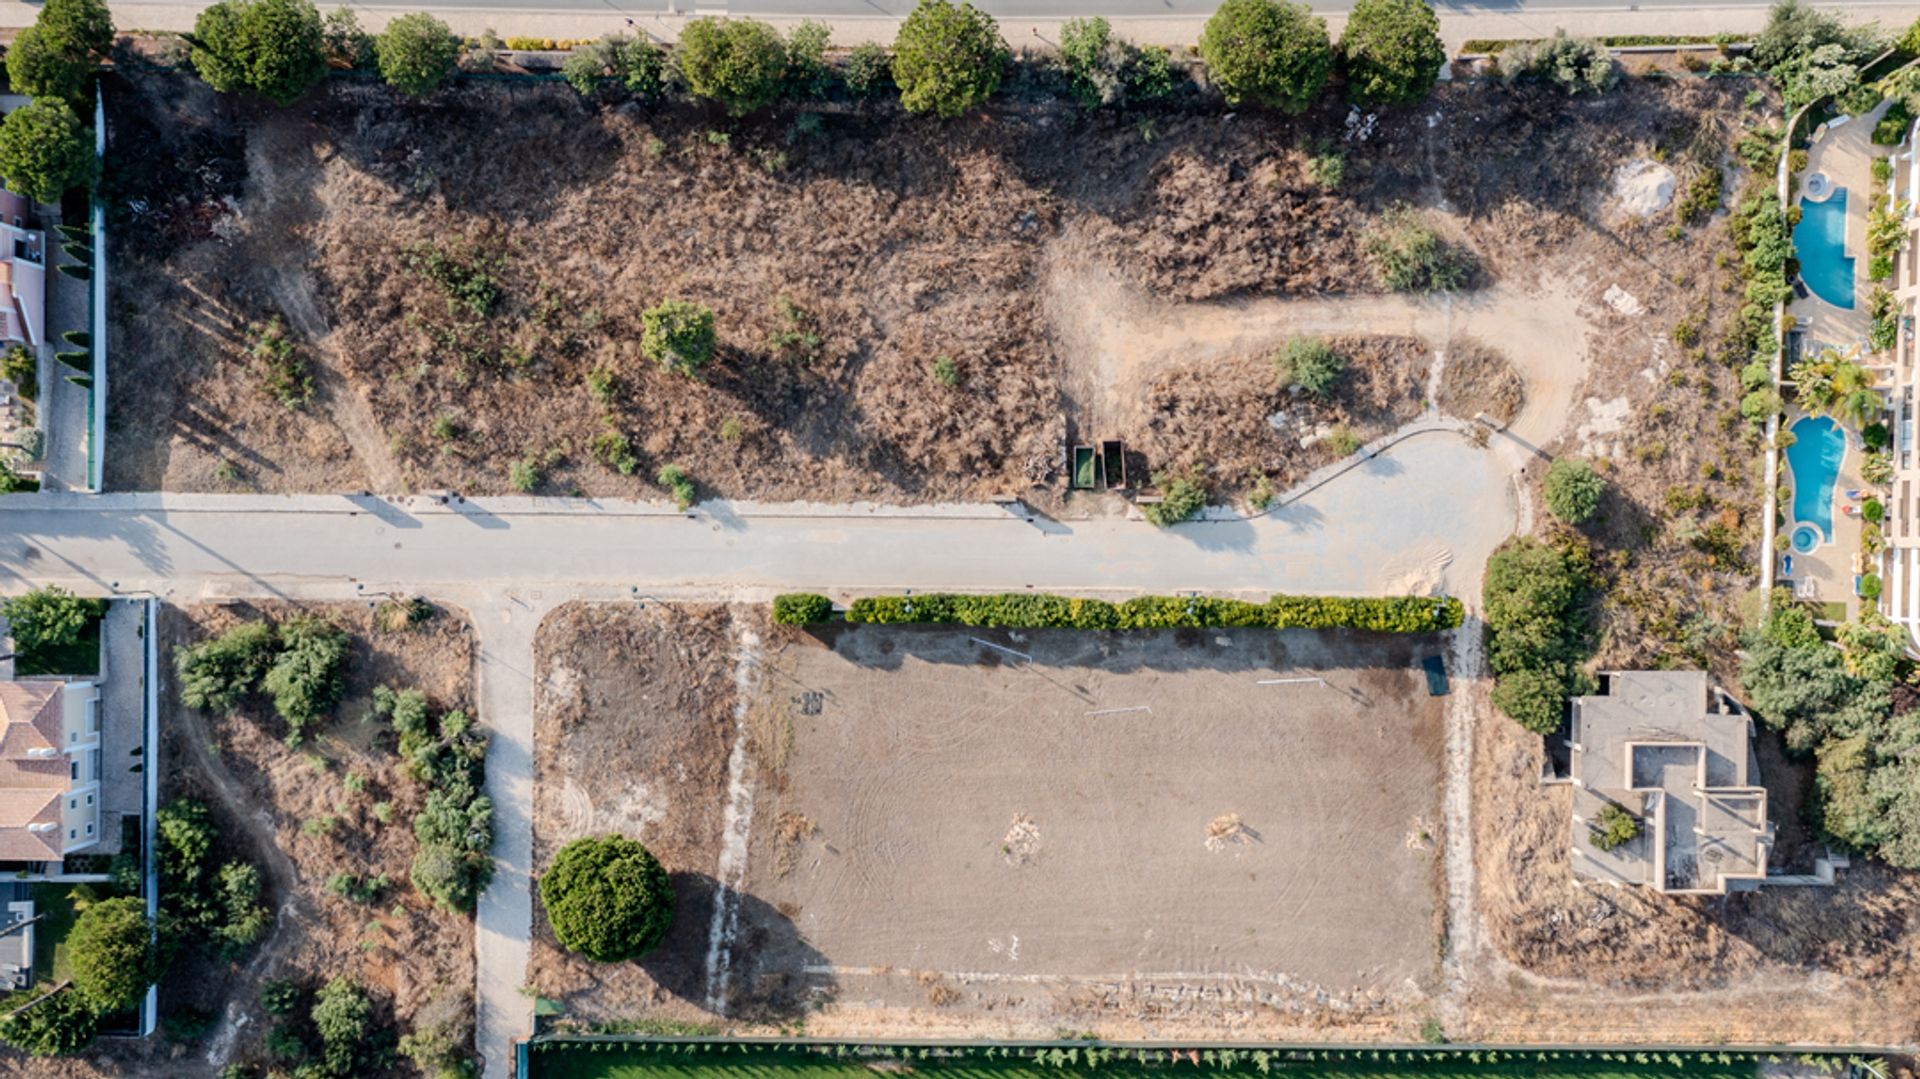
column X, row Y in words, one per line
column 638, row 66
column 1535, row 699
column 273, row 48
column 1811, row 52
column 455, row 826
column 945, row 371
column 415, row 53
column 674, row 479
column 740, row 63
column 283, row 376
column 1104, row 70
column 1029, row 610
column 866, row 68
column 50, row 619
column 1614, row 827
column 1869, row 586
column 678, row 335
column 1409, row 256
column 244, row 920
column 1761, row 404
column 56, row 1024
column 1327, row 168
column 21, row 368
column 615, row 450
column 343, row 42
column 343, row 1018
column 1574, row 64
column 1573, row 490
column 1270, row 52
column 216, row 673
column 808, row 74
column 1182, row 496
column 111, row 952
column 1876, row 467
column 947, row 58
column 1875, row 436
column 801, row 609
column 1391, row 51
column 306, row 678
column 45, row 150
column 525, row 474
column 1311, row 364
column 607, row 898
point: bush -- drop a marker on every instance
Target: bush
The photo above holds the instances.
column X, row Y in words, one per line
column 1573, row 490
column 111, row 952
column 20, row 367
column 866, row 68
column 638, row 66
column 50, row 619
column 947, row 58
column 1409, row 256
column 1311, row 364
column 741, row 63
column 607, row 898
column 343, row 1018
column 1760, row 405
column 801, row 609
column 1181, row 495
column 216, row 673
column 674, row 479
column 306, row 678
column 1269, row 52
column 1574, row 64
column 1030, row 610
column 59, row 1024
column 415, row 53
column 1391, row 51
column 1535, row 699
column 244, row 920
column 343, row 42
column 808, row 74
column 1093, row 60
column 1614, row 827
column 678, row 335
column 272, row 48
column 1870, row 586
column 45, row 150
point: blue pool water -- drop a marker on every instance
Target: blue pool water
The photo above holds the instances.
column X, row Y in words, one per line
column 1820, row 242
column 1818, row 448
column 1805, row 539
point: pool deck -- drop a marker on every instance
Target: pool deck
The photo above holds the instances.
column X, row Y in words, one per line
column 1845, row 153
column 1826, row 574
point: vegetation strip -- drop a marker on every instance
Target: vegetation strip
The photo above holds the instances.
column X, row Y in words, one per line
column 1023, row 610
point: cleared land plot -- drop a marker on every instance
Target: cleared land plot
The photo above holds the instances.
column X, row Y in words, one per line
column 942, row 837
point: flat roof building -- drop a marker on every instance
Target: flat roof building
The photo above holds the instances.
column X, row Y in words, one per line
column 1675, row 753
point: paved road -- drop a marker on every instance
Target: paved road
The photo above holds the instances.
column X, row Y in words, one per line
column 1041, row 9
column 1393, row 509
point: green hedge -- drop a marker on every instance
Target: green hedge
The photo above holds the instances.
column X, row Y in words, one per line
column 1025, row 610
column 801, row 608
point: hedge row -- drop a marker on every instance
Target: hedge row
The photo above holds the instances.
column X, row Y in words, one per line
column 1026, row 610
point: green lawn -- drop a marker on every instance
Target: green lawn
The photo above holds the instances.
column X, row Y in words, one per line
column 578, row 1061
column 55, row 901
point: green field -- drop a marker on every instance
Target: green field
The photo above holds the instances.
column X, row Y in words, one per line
column 617, row 1060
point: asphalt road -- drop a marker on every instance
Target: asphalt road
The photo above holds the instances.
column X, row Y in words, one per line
column 1042, row 9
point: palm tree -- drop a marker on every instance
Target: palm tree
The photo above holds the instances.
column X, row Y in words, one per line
column 1834, row 384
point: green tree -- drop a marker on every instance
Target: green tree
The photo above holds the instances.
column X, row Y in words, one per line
column 678, row 335
column 1614, row 827
column 83, row 27
column 1573, row 490
column 305, row 680
column 111, row 952
column 947, row 58
column 607, row 898
column 1391, row 51
column 741, row 63
column 415, row 53
column 1806, row 692
column 1812, row 52
column 1270, row 52
column 273, row 48
column 1311, row 364
column 1535, row 699
column 57, row 56
column 50, row 618
column 45, row 150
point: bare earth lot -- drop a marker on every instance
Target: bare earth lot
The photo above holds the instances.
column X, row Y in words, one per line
column 937, row 836
column 1079, row 274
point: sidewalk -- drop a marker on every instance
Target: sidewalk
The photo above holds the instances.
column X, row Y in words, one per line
column 1455, row 27
column 67, row 403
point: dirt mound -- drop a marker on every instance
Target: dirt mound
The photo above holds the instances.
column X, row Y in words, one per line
column 1478, row 379
column 1643, row 186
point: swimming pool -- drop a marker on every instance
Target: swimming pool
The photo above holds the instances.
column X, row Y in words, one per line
column 1818, row 448
column 1820, row 243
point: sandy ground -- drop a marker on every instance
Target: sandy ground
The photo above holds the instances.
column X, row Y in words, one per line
column 1001, row 860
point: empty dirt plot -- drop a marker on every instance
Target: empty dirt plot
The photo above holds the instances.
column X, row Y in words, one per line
column 1133, row 816
column 913, row 829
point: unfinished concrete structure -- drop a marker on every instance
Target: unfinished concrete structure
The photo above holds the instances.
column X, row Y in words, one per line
column 1676, row 753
